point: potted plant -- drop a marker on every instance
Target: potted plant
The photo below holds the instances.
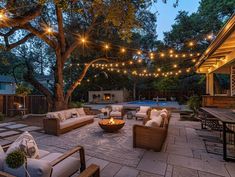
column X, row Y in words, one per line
column 194, row 104
column 16, row 159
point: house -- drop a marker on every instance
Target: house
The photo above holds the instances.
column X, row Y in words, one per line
column 7, row 85
column 219, row 59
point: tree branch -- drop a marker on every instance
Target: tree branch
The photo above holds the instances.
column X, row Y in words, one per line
column 21, row 20
column 80, row 78
column 39, row 34
column 61, row 36
column 21, row 41
column 71, row 48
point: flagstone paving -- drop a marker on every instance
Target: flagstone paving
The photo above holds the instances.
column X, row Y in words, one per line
column 185, row 152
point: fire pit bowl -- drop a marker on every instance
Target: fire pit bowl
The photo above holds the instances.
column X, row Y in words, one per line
column 111, row 125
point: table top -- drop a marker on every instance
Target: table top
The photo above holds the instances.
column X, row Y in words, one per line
column 224, row 115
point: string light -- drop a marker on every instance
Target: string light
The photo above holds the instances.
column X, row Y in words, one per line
column 175, row 66
column 2, row 16
column 106, row 46
column 162, row 54
column 123, row 50
column 171, row 51
column 191, row 44
column 83, row 40
column 49, row 30
column 139, row 61
column 139, row 52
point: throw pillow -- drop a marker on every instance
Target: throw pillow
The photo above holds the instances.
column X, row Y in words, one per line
column 74, row 115
column 81, row 112
column 154, row 113
column 27, row 144
column 61, row 116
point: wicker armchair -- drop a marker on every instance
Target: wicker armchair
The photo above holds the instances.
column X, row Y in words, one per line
column 116, row 111
column 150, row 137
column 91, row 171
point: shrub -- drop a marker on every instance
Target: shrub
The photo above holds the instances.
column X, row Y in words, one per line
column 75, row 104
column 15, row 159
column 194, row 103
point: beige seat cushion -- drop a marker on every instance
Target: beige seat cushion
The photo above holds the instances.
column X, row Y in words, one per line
column 115, row 114
column 140, row 114
column 73, row 121
column 65, row 168
column 43, row 153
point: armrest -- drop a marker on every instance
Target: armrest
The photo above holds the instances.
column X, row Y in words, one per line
column 4, row 174
column 79, row 149
column 51, row 125
column 91, row 171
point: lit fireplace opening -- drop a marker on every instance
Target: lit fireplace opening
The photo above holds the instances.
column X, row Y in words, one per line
column 107, row 97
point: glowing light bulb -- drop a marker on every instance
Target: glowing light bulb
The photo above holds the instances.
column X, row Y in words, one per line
column 131, row 62
column 191, row 44
column 83, row 40
column 123, row 50
column 159, row 69
column 175, row 66
column 171, row 51
column 162, row 54
column 139, row 52
column 194, row 60
column 49, row 30
column 106, row 46
column 183, row 55
column 139, row 60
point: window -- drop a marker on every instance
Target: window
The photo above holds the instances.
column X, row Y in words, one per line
column 2, row 86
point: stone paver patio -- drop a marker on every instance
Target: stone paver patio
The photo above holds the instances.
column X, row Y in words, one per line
column 183, row 155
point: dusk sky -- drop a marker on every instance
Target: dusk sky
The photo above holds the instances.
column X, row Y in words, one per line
column 167, row 13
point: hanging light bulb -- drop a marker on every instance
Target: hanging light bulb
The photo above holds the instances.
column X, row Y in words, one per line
column 123, row 50
column 175, row 66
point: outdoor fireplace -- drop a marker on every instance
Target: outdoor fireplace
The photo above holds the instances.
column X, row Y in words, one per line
column 107, row 96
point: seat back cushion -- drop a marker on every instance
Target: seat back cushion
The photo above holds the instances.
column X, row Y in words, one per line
column 35, row 167
column 117, row 108
column 81, row 112
column 27, row 144
column 154, row 113
column 144, row 109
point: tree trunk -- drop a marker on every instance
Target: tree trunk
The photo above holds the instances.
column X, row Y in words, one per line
column 59, row 102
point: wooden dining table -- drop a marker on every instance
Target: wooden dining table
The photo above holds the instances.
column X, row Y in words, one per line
column 227, row 117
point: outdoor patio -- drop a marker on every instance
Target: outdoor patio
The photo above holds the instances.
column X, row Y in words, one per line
column 184, row 153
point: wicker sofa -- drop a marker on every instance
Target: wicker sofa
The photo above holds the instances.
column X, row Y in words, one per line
column 51, row 165
column 56, row 123
column 150, row 137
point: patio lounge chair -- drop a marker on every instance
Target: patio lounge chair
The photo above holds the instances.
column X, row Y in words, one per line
column 52, row 165
column 148, row 137
column 142, row 112
column 116, row 111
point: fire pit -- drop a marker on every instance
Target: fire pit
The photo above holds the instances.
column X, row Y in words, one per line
column 111, row 125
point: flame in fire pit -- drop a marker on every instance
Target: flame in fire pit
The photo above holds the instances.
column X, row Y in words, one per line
column 111, row 121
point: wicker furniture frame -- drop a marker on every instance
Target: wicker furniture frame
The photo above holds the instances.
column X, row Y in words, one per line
column 52, row 126
column 122, row 112
column 149, row 137
column 92, row 171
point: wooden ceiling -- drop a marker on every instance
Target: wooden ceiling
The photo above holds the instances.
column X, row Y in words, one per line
column 222, row 46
